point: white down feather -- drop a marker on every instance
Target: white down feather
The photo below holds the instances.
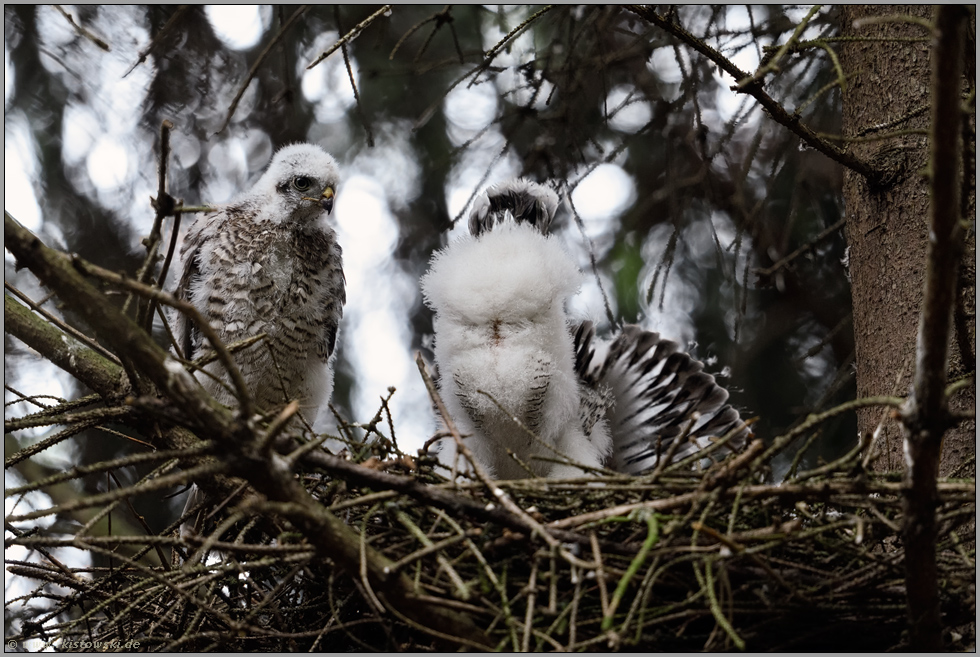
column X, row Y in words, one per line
column 501, row 328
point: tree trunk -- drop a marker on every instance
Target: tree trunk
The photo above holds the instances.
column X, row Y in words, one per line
column 887, row 231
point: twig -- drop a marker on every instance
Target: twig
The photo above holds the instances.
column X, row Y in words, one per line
column 432, row 548
column 462, row 590
column 257, row 63
column 773, row 108
column 876, row 138
column 42, row 445
column 157, row 38
column 59, row 410
column 894, row 122
column 351, row 35
column 824, row 341
column 412, row 30
column 824, row 234
column 600, row 576
column 483, row 179
column 896, row 18
column 517, row 30
column 708, row 584
column 363, row 564
column 105, row 466
column 819, row 43
column 84, row 32
column 162, row 279
column 653, row 535
column 37, row 420
column 194, row 208
column 772, row 65
column 163, row 206
column 840, row 81
column 592, row 259
column 433, row 107
column 368, row 136
column 101, row 499
column 815, row 419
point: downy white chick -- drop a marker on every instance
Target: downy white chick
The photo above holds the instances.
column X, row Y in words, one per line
column 524, row 384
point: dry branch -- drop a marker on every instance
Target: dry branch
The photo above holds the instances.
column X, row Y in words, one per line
column 246, row 447
column 258, row 63
column 92, row 369
column 773, row 108
column 926, row 416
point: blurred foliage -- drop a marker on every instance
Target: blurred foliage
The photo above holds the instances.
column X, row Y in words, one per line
column 717, row 194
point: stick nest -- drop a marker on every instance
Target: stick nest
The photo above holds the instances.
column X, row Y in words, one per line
column 686, row 558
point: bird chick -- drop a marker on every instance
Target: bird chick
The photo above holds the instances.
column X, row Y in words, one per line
column 502, row 343
column 525, row 383
column 270, row 263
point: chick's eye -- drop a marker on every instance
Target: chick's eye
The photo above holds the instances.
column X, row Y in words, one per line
column 302, row 183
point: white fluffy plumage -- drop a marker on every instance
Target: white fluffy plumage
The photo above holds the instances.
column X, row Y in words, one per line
column 269, row 263
column 501, row 331
column 502, row 342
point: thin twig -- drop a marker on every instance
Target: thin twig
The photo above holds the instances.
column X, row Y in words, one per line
column 368, row 135
column 163, row 206
column 824, row 234
column 772, row 65
column 84, row 32
column 258, row 62
column 351, row 35
column 775, row 110
column 158, row 37
column 517, row 30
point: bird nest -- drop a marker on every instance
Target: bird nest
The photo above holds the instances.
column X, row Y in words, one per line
column 684, row 558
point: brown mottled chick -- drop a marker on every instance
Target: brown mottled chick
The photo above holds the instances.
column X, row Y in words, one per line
column 270, row 263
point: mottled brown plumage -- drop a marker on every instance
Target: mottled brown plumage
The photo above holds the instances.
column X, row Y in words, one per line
column 270, row 263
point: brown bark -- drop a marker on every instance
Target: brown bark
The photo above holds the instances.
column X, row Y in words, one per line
column 887, row 231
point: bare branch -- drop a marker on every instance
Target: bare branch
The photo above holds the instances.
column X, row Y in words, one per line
column 158, row 37
column 81, row 31
column 517, row 30
column 768, row 271
column 351, row 35
column 258, row 62
column 775, row 110
column 926, row 416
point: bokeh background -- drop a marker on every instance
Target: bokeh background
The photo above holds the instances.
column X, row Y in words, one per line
column 684, row 194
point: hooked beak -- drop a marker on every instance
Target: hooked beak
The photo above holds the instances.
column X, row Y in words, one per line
column 326, row 199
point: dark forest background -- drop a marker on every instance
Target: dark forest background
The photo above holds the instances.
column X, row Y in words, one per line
column 697, row 194
column 695, row 201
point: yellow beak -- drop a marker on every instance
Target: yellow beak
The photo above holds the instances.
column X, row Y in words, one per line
column 326, row 199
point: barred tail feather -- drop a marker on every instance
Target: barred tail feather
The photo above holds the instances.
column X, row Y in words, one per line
column 657, row 390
